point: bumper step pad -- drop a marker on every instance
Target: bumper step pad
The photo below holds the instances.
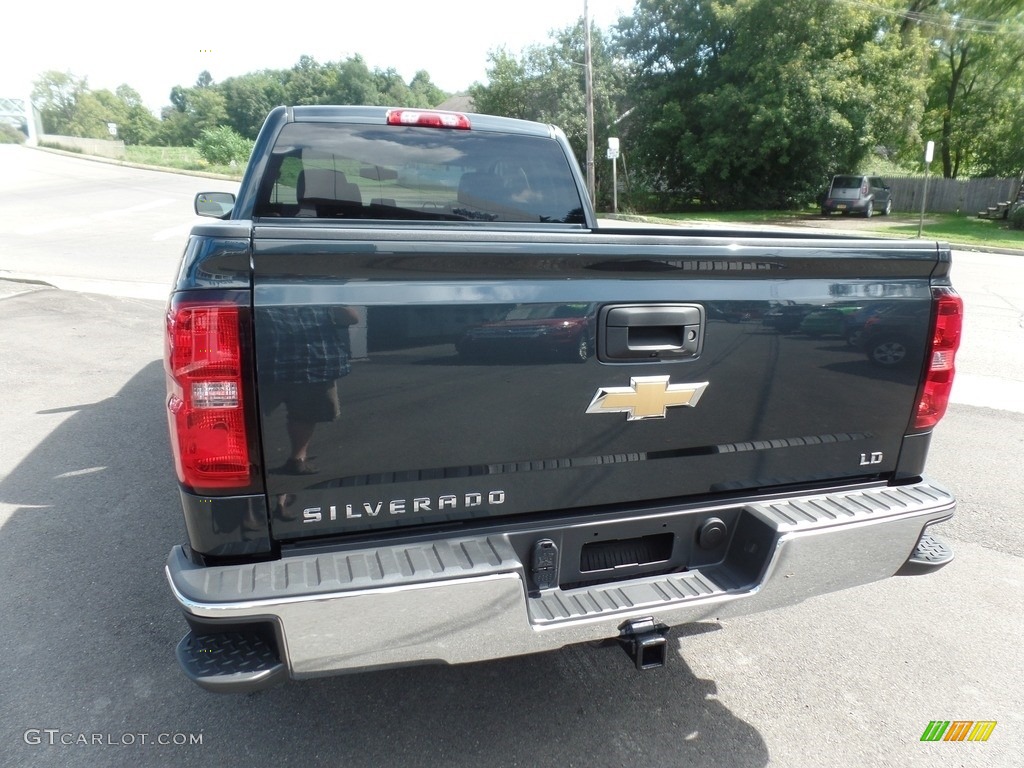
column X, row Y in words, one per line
column 555, row 607
column 930, row 554
column 230, row 662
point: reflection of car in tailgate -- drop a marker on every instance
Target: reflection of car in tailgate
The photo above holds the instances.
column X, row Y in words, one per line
column 379, row 466
column 786, row 318
column 827, row 321
column 546, row 329
column 890, row 337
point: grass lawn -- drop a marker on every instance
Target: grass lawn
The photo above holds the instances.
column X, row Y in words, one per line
column 182, row 158
column 965, row 230
column 748, row 217
column 949, row 227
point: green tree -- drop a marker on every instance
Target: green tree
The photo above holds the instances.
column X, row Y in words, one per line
column 423, row 92
column 55, row 95
column 391, row 89
column 248, row 99
column 976, row 71
column 757, row 102
column 353, row 83
column 193, row 110
column 548, row 84
column 1000, row 148
column 94, row 110
column 507, row 90
column 207, row 107
column 174, row 129
column 310, row 83
column 68, row 107
column 137, row 124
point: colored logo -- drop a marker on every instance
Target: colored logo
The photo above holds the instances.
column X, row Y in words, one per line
column 958, row 730
column 646, row 397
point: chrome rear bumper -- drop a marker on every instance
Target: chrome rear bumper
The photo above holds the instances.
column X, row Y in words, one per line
column 470, row 599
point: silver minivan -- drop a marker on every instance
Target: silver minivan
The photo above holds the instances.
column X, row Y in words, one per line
column 863, row 195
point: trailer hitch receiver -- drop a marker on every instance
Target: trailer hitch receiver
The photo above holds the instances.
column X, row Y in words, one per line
column 644, row 641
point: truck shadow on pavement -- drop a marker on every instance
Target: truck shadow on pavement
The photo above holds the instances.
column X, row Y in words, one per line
column 90, row 629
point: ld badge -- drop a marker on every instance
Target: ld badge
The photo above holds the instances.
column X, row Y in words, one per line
column 646, row 397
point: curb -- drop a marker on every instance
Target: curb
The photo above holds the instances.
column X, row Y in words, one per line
column 10, row 287
column 125, row 289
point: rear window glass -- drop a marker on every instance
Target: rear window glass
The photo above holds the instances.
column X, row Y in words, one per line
column 323, row 170
column 847, row 182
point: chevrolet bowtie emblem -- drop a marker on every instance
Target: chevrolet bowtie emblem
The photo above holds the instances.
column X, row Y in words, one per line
column 646, row 397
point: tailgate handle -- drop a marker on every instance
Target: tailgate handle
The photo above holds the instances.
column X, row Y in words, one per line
column 650, row 332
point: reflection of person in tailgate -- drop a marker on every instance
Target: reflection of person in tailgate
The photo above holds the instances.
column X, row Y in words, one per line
column 310, row 350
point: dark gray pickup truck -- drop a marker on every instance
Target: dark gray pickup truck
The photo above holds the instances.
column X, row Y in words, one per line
column 424, row 410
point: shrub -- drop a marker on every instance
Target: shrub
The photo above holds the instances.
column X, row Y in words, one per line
column 1016, row 216
column 10, row 135
column 222, row 146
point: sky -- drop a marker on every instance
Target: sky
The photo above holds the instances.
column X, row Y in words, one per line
column 152, row 48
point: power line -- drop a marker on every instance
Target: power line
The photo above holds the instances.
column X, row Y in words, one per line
column 943, row 20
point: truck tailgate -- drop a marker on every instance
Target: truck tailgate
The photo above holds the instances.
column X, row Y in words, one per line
column 486, row 375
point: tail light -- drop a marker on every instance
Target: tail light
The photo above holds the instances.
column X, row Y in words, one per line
column 207, row 395
column 864, row 189
column 430, row 118
column 945, row 340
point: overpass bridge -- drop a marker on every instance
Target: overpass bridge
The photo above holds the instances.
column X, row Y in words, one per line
column 21, row 115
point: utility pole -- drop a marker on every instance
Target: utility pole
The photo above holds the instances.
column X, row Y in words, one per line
column 591, row 184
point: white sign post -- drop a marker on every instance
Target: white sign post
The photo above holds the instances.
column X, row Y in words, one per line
column 929, row 153
column 613, row 155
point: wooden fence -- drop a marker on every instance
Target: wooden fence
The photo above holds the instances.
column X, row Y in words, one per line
column 950, row 195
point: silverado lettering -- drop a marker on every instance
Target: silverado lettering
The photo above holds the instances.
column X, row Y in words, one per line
column 386, row 277
column 399, row 506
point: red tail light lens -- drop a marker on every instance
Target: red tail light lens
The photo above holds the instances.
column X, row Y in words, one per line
column 206, row 404
column 945, row 340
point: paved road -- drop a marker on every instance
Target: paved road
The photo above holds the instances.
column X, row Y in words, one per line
column 87, row 508
column 90, row 225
